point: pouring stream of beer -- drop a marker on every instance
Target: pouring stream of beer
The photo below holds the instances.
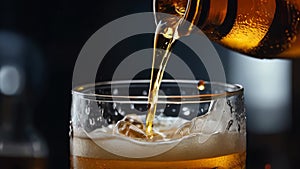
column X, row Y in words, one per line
column 164, row 40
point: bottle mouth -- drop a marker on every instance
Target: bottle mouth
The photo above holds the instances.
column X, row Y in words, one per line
column 178, row 8
column 183, row 14
column 171, row 91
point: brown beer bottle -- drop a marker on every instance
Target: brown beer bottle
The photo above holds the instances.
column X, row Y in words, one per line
column 258, row 28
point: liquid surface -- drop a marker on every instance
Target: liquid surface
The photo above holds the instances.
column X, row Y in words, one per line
column 232, row 161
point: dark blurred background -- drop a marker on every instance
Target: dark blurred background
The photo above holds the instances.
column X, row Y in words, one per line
column 59, row 29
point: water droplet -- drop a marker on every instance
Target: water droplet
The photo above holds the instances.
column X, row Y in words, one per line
column 202, row 110
column 229, row 124
column 115, row 92
column 92, row 121
column 122, row 113
column 87, row 110
column 71, row 130
column 186, row 113
column 185, row 109
column 161, row 110
column 101, row 111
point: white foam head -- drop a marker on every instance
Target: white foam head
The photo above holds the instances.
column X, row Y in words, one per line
column 107, row 146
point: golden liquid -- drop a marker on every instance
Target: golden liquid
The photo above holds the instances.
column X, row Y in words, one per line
column 86, row 153
column 22, row 163
column 163, row 42
column 232, row 161
column 260, row 28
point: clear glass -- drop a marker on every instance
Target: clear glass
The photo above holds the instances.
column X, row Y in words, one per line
column 198, row 125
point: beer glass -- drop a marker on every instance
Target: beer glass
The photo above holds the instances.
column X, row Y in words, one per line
column 198, row 124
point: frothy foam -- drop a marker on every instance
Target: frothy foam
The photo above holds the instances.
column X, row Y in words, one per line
column 108, row 146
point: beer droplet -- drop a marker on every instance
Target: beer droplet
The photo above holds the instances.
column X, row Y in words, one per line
column 268, row 166
column 201, row 85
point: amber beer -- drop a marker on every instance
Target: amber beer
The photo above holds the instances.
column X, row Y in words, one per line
column 233, row 161
column 223, row 150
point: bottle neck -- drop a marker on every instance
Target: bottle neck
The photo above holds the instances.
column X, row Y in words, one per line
column 214, row 17
column 212, row 12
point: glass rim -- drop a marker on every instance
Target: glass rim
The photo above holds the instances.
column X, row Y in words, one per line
column 236, row 89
